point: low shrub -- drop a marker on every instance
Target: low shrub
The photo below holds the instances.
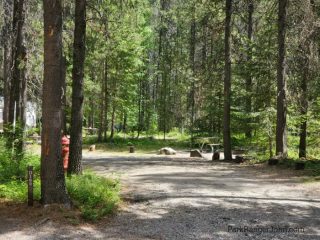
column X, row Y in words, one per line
column 95, row 196
column 16, row 190
column 13, row 167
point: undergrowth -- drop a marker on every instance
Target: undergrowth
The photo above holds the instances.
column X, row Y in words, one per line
column 93, row 195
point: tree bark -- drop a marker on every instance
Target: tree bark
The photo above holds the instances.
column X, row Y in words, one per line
column 281, row 132
column 18, row 85
column 193, row 69
column 53, row 188
column 106, row 94
column 249, row 78
column 139, row 108
column 75, row 159
column 305, row 61
column 227, row 83
column 18, row 64
column 102, row 109
column 304, row 111
column 64, row 98
column 7, row 62
column 101, row 120
column 91, row 114
column 124, row 125
column 112, row 121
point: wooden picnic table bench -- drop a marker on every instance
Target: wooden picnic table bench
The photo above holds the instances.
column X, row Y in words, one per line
column 213, row 146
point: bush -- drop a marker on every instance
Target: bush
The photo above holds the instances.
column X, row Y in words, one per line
column 95, row 196
column 16, row 190
column 13, row 172
column 14, row 167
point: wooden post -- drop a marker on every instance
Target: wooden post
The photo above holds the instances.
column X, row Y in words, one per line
column 131, row 149
column 30, row 185
column 216, row 156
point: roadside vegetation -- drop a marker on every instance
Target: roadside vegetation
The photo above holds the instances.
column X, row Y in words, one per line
column 93, row 195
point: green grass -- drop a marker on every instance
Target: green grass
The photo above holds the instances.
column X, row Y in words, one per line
column 142, row 145
column 16, row 190
column 95, row 196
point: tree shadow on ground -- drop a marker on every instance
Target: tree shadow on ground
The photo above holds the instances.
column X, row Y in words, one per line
column 179, row 198
column 197, row 222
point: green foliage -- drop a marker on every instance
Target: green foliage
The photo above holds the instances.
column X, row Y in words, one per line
column 13, row 173
column 12, row 167
column 314, row 166
column 16, row 190
column 94, row 195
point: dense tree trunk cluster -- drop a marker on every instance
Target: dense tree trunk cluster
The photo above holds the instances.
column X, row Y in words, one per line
column 236, row 71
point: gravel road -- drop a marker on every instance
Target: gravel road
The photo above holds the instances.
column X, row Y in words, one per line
column 182, row 198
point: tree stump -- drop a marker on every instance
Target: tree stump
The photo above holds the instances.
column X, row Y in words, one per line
column 195, row 153
column 131, row 149
column 239, row 159
column 216, row 156
column 273, row 161
column 300, row 165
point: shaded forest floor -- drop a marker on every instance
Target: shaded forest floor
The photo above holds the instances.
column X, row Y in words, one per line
column 176, row 197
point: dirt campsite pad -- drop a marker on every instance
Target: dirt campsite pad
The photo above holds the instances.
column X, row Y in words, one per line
column 176, row 197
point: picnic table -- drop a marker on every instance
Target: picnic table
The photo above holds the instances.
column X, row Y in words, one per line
column 213, row 146
column 91, row 131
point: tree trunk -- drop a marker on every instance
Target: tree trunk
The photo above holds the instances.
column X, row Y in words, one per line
column 227, row 83
column 192, row 66
column 75, row 159
column 281, row 135
column 91, row 114
column 105, row 122
column 124, row 125
column 249, row 59
column 101, row 113
column 18, row 61
column 303, row 131
column 18, row 88
column 307, row 46
column 139, row 108
column 64, row 98
column 112, row 121
column 53, row 188
column 7, row 62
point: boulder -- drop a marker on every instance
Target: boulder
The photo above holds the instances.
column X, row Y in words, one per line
column 195, row 153
column 92, row 148
column 167, row 151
